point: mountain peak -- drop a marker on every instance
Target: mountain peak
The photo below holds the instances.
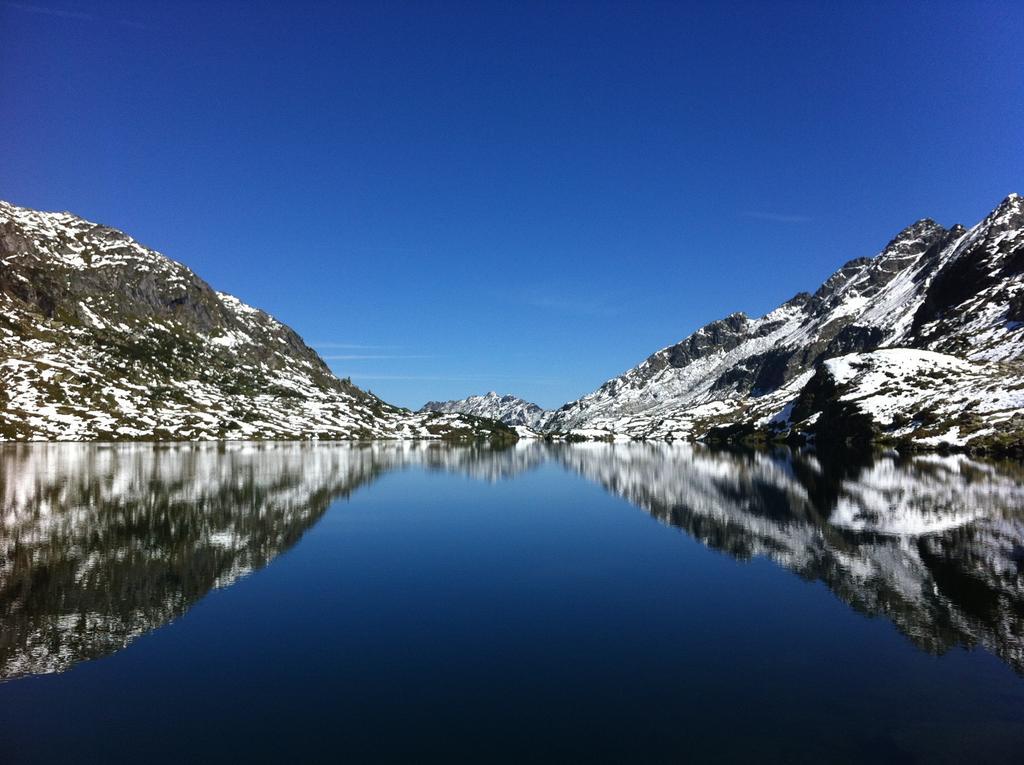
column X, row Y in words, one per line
column 1014, row 203
column 923, row 230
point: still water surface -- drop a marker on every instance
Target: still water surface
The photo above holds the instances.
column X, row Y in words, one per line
column 590, row 602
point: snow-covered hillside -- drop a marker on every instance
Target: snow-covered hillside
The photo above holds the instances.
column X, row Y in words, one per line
column 956, row 292
column 901, row 393
column 102, row 338
column 508, row 409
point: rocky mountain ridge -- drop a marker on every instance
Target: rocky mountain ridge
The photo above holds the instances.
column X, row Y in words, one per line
column 922, row 344
column 102, row 338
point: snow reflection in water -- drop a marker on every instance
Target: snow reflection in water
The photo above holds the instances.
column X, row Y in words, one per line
column 102, row 543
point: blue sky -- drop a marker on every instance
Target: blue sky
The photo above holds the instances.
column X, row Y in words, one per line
column 449, row 198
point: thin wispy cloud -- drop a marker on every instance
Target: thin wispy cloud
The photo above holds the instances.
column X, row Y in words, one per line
column 132, row 23
column 67, row 13
column 461, row 378
column 355, row 346
column 572, row 304
column 363, row 356
column 777, row 217
column 59, row 13
column 361, row 249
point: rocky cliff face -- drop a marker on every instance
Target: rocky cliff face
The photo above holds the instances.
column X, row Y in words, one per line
column 102, row 338
column 956, row 293
column 511, row 410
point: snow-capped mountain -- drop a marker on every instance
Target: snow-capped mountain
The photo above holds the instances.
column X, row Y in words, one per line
column 511, row 410
column 927, row 340
column 102, row 338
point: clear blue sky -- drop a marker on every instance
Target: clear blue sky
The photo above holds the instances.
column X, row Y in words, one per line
column 530, row 197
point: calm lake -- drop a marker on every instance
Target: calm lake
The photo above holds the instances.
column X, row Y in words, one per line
column 417, row 602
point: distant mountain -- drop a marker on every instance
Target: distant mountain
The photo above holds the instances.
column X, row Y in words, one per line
column 920, row 344
column 508, row 409
column 104, row 339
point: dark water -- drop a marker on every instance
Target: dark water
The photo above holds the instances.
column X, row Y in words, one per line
column 413, row 603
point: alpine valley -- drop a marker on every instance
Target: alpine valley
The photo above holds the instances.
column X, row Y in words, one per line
column 920, row 346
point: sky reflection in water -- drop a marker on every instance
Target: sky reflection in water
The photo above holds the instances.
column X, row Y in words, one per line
column 422, row 603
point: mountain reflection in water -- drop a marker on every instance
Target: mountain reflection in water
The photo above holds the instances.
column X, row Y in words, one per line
column 102, row 543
